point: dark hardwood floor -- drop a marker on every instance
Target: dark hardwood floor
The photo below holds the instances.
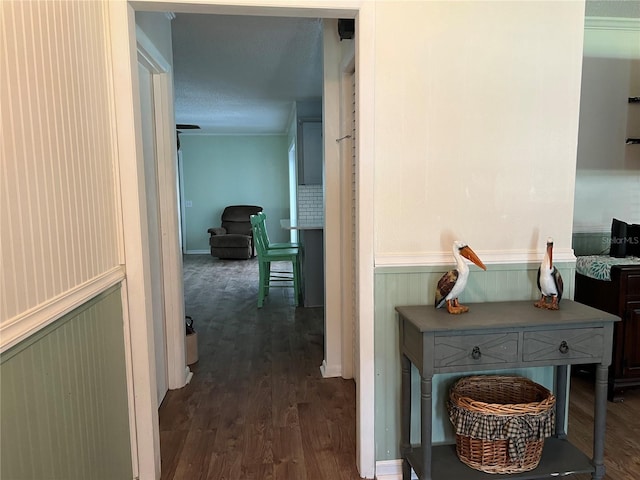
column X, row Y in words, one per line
column 622, row 443
column 257, row 406
column 258, row 409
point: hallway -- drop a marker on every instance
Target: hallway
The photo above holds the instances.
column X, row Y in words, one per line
column 257, row 406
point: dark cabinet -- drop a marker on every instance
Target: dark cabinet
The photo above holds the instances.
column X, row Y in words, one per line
column 630, row 358
column 621, row 297
column 312, row 267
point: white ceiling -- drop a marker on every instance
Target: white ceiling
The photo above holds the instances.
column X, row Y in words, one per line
column 241, row 74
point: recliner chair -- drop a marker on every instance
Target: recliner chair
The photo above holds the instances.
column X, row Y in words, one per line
column 234, row 238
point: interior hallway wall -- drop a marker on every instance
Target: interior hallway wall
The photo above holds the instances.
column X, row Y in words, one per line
column 476, row 125
column 476, row 138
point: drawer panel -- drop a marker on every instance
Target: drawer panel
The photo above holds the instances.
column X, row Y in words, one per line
column 467, row 350
column 633, row 286
column 583, row 344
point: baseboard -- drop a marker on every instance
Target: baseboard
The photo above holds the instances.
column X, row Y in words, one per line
column 391, row 470
column 330, row 370
column 198, row 252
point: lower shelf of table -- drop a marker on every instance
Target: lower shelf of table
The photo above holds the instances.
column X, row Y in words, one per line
column 559, row 458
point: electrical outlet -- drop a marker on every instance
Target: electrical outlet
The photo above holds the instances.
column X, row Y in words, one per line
column 188, row 203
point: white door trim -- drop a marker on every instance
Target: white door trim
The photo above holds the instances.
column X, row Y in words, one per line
column 365, row 237
column 333, row 202
column 123, row 43
column 168, row 196
column 137, row 288
column 347, row 120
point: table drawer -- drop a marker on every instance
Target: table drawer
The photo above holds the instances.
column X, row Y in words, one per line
column 584, row 344
column 457, row 350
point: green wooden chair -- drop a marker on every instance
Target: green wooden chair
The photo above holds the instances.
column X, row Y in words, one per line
column 263, row 217
column 272, row 278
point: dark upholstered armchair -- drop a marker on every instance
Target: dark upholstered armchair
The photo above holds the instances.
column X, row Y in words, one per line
column 234, row 239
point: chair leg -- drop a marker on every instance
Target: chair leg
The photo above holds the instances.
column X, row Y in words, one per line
column 296, row 280
column 267, row 278
column 261, row 285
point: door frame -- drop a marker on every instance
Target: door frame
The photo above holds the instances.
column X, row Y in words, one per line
column 146, row 73
column 349, row 311
column 127, row 119
column 167, row 175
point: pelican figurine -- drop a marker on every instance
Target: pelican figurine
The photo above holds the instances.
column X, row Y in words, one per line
column 452, row 283
column 549, row 281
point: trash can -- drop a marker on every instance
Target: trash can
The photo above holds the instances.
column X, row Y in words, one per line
column 191, row 342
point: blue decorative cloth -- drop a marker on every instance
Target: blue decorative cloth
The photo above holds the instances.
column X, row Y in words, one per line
column 599, row 266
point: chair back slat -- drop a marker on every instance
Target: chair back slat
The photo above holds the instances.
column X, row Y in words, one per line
column 265, row 236
column 257, row 227
column 263, row 227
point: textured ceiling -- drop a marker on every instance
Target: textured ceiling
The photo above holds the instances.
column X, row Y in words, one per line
column 241, row 74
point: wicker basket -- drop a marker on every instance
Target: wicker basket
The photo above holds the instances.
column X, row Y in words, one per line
column 501, row 422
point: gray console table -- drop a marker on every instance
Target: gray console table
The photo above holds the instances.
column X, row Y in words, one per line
column 496, row 336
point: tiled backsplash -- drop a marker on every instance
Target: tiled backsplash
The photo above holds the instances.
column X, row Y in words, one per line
column 310, row 204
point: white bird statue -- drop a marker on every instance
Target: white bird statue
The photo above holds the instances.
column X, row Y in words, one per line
column 549, row 281
column 452, row 283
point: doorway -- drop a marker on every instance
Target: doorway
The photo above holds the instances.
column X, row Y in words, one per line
column 121, row 20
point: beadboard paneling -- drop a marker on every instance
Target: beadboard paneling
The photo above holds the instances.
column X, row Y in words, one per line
column 64, row 398
column 415, row 286
column 58, row 196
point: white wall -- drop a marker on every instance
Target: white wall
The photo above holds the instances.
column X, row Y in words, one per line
column 476, row 124
column 157, row 27
column 602, row 195
column 608, row 171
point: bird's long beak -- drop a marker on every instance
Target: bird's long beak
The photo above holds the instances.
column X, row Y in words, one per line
column 466, row 252
column 550, row 253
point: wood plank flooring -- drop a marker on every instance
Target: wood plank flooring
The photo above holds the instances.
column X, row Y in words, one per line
column 257, row 406
column 622, row 443
column 258, row 409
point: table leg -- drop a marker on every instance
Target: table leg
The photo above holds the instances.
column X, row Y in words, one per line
column 405, row 414
column 425, row 426
column 599, row 421
column 561, row 400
